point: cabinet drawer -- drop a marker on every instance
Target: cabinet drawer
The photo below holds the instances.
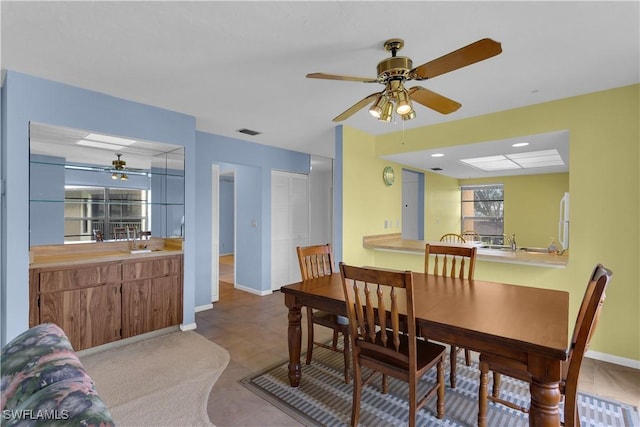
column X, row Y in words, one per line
column 158, row 267
column 79, row 277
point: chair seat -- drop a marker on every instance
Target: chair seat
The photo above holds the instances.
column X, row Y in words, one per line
column 428, row 353
column 506, row 366
column 329, row 319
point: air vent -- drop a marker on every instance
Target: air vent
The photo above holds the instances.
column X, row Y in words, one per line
column 249, row 132
column 436, row 169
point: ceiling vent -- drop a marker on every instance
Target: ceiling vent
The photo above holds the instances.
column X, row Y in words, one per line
column 249, row 132
column 436, row 169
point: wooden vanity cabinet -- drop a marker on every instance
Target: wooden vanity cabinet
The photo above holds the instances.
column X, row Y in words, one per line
column 101, row 302
column 151, row 295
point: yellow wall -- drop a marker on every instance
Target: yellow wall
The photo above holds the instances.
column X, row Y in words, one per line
column 605, row 200
column 442, row 206
column 367, row 202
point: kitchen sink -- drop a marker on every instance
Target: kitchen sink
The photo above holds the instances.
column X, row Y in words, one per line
column 508, row 248
column 501, row 247
column 539, row 250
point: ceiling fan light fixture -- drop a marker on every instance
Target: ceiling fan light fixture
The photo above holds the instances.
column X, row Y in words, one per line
column 378, row 106
column 119, row 165
column 403, row 105
column 387, row 113
column 410, row 115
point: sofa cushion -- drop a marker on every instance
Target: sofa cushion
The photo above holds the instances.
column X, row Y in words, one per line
column 70, row 402
column 35, row 359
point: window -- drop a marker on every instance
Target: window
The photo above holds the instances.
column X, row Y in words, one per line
column 90, row 209
column 483, row 211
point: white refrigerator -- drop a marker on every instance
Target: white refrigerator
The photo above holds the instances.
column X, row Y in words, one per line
column 563, row 224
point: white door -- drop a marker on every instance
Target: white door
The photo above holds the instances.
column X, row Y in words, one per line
column 289, row 225
column 410, row 205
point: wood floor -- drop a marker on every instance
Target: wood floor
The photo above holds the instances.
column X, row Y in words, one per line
column 254, row 331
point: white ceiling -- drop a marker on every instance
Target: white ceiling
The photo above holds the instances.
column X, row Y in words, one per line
column 241, row 64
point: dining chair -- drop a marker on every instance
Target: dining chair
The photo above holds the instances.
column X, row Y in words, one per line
column 584, row 328
column 119, row 233
column 378, row 342
column 471, row 236
column 451, row 261
column 316, row 261
column 452, row 238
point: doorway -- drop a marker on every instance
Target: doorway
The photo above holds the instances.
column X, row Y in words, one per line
column 223, row 230
column 226, row 233
column 412, row 205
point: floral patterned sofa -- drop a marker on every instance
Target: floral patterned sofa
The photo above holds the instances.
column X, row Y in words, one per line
column 43, row 382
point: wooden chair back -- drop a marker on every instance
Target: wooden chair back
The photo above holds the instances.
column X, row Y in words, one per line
column 471, row 236
column 315, row 261
column 452, row 238
column 452, row 261
column 585, row 326
column 368, row 293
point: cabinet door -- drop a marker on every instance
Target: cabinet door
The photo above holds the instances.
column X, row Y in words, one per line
column 151, row 304
column 89, row 316
column 137, row 312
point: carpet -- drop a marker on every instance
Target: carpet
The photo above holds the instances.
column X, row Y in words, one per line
column 324, row 399
column 160, row 381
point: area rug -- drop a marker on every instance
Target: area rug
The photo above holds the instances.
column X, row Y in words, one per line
column 160, row 381
column 324, row 399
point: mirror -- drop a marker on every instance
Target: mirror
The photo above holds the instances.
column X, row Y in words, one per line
column 86, row 186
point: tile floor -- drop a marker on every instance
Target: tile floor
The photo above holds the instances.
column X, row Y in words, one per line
column 253, row 330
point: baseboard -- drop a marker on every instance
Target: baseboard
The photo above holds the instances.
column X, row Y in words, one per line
column 203, row 307
column 252, row 291
column 188, row 326
column 616, row 360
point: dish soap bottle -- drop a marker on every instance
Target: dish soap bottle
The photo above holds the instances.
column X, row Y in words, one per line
column 552, row 248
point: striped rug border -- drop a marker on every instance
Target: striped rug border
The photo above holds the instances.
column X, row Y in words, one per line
column 323, row 399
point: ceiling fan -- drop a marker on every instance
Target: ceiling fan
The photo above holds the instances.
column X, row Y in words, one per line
column 394, row 71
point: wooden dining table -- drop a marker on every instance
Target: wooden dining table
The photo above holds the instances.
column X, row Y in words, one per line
column 523, row 323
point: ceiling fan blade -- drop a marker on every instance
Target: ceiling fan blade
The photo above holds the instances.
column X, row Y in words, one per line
column 356, row 107
column 475, row 52
column 432, row 100
column 337, row 77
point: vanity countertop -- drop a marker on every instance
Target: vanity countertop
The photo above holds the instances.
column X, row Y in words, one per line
column 86, row 253
column 395, row 243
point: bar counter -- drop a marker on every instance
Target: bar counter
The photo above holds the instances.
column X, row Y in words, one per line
column 395, row 243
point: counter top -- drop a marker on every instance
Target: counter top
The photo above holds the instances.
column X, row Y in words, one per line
column 87, row 253
column 395, row 243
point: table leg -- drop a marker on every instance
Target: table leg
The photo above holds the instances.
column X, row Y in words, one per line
column 545, row 392
column 294, row 335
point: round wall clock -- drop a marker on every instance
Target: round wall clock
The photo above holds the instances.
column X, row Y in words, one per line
column 388, row 176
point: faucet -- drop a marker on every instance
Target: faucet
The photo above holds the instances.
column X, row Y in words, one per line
column 132, row 230
column 512, row 241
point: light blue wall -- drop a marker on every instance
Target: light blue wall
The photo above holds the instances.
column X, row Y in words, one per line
column 253, row 164
column 27, row 98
